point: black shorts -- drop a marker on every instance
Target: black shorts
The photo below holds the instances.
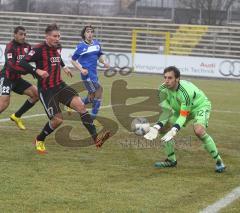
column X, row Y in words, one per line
column 18, row 86
column 52, row 97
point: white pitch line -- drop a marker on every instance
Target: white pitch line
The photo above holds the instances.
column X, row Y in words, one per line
column 27, row 116
column 39, row 115
column 214, row 208
column 107, row 106
column 228, row 199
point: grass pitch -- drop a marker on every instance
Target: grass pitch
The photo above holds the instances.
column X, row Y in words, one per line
column 120, row 177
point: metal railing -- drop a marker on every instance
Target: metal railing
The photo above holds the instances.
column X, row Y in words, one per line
column 115, row 34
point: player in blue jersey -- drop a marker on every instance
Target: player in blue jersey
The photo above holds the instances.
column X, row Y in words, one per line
column 85, row 59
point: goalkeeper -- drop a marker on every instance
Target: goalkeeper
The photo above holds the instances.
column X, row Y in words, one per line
column 181, row 101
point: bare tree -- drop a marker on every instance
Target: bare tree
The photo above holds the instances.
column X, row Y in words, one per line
column 211, row 12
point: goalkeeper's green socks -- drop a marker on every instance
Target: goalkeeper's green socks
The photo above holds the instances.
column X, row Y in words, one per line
column 169, row 150
column 210, row 146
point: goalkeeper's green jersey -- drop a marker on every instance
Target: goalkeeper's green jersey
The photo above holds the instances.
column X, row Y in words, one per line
column 186, row 101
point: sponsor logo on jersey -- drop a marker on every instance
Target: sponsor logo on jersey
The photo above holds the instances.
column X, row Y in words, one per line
column 31, row 53
column 55, row 59
column 25, row 50
column 9, row 55
column 93, row 48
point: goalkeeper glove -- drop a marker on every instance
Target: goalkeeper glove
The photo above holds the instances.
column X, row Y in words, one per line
column 153, row 132
column 169, row 135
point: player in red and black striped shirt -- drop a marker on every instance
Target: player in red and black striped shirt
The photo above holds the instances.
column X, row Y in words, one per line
column 10, row 76
column 53, row 90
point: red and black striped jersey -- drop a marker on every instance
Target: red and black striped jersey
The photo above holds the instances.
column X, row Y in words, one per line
column 14, row 52
column 46, row 58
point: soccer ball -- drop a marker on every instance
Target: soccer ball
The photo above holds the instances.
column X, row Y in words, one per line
column 140, row 126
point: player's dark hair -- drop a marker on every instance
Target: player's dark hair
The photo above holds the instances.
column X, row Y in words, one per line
column 18, row 28
column 174, row 69
column 51, row 27
column 84, row 30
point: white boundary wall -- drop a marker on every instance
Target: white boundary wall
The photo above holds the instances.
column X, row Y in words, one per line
column 190, row 66
column 155, row 63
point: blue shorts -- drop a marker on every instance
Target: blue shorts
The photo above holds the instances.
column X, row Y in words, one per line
column 91, row 86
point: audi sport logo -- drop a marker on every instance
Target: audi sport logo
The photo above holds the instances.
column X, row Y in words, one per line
column 230, row 68
column 117, row 60
column 119, row 63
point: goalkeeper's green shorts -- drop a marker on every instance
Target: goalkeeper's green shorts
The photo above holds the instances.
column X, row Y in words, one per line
column 200, row 116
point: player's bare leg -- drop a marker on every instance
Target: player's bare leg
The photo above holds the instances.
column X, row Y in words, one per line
column 4, row 102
